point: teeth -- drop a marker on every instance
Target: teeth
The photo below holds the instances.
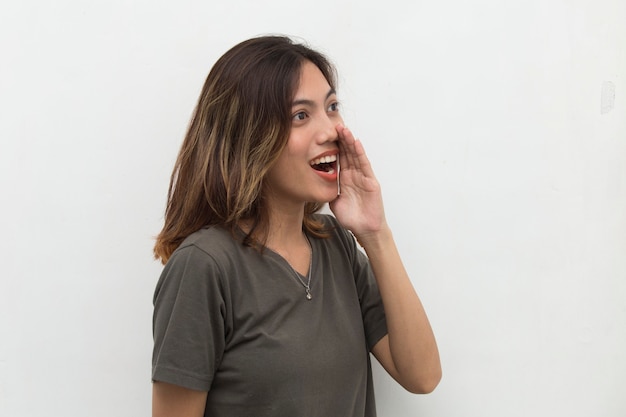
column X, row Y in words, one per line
column 324, row 160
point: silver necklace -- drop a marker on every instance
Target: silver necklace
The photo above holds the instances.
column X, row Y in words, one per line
column 307, row 286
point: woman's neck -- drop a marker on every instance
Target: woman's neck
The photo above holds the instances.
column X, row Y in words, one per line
column 285, row 228
column 286, row 237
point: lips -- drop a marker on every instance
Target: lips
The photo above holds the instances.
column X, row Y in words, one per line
column 325, row 163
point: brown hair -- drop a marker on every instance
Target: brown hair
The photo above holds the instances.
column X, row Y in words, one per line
column 238, row 129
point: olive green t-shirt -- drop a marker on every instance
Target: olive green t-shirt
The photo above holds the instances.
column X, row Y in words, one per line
column 236, row 322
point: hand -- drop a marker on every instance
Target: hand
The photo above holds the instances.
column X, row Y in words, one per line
column 359, row 207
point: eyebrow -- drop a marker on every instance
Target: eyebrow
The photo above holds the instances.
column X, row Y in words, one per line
column 311, row 103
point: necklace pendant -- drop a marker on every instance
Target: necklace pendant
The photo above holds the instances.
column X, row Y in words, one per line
column 308, row 294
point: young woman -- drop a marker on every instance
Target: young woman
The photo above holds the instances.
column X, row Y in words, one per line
column 264, row 307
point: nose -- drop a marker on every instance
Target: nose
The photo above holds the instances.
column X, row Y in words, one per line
column 327, row 130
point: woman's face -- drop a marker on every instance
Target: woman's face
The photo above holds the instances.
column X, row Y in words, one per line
column 307, row 168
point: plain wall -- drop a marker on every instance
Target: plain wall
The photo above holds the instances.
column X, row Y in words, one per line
column 497, row 130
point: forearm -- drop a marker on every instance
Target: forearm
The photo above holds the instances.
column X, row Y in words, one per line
column 412, row 344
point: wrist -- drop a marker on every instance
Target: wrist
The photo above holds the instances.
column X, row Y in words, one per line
column 375, row 240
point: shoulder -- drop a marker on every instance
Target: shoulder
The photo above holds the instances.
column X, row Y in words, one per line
column 214, row 242
column 332, row 226
column 327, row 220
column 338, row 234
column 206, row 252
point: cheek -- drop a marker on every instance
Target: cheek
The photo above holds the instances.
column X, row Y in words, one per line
column 296, row 146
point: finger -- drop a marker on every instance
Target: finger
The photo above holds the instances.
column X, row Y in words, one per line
column 343, row 161
column 347, row 147
column 362, row 161
column 354, row 152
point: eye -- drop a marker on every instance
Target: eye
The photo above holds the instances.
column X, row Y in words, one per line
column 299, row 116
column 334, row 107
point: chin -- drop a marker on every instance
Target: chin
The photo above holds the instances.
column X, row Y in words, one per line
column 324, row 195
column 328, row 198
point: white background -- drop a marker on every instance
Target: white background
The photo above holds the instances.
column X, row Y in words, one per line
column 498, row 132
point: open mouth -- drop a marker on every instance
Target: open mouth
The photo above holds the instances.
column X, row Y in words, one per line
column 326, row 163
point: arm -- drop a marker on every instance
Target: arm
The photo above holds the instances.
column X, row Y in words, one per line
column 173, row 401
column 409, row 351
column 188, row 330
